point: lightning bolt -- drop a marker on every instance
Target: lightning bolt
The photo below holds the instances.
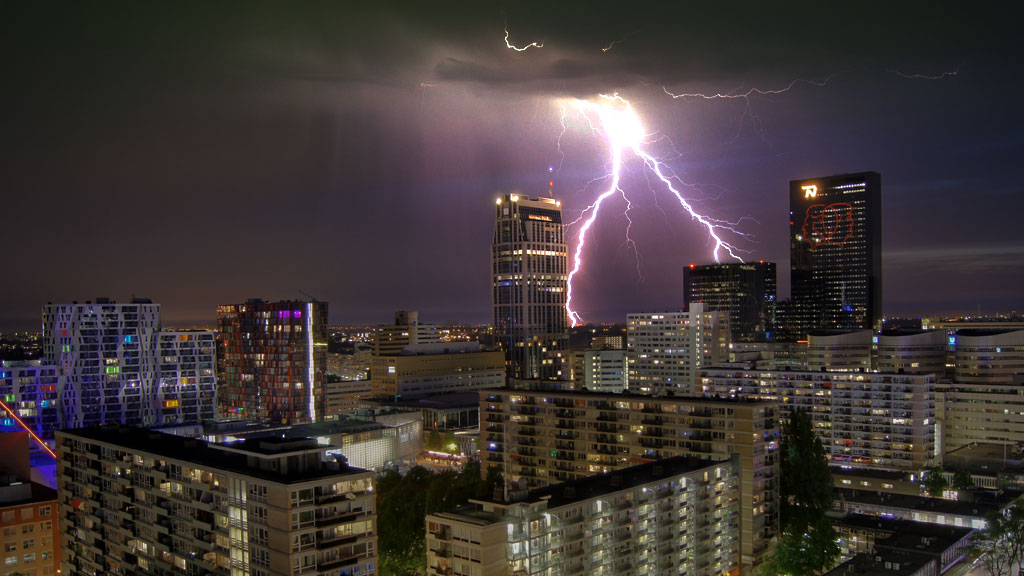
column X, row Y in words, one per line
column 614, row 118
column 748, row 111
column 619, row 41
column 524, row 48
column 924, row 77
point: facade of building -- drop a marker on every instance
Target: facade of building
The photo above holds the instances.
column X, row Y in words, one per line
column 407, row 330
column 864, row 420
column 541, row 438
column 29, row 535
column 839, row 350
column 29, row 391
column 272, row 360
column 601, row 370
column 667, row 348
column 979, row 413
column 675, row 516
column 836, row 252
column 529, row 270
column 745, row 290
column 343, row 396
column 141, row 502
column 911, row 351
column 101, row 352
column 443, row 367
column 186, row 384
column 992, row 356
column 115, row 365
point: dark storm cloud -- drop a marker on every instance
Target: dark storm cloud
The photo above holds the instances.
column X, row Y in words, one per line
column 208, row 152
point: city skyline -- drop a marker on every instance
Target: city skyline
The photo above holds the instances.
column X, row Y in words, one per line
column 201, row 156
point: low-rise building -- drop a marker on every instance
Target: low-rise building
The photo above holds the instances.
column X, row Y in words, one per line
column 29, row 536
column 674, row 516
column 427, row 369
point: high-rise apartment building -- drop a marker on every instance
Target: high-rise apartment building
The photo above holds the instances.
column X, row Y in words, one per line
column 836, row 252
column 674, row 516
column 540, row 438
column 746, row 290
column 185, row 376
column 529, row 269
column 666, row 348
column 29, row 391
column 602, row 370
column 139, row 502
column 116, row 366
column 865, row 420
column 272, row 360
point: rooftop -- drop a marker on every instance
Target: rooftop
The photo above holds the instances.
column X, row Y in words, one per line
column 980, row 332
column 21, row 493
column 582, row 489
column 237, row 458
column 627, row 396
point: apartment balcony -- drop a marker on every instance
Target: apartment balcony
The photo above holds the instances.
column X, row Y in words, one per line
column 335, row 564
column 323, row 522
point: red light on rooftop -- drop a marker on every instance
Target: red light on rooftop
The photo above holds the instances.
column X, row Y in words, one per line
column 692, row 266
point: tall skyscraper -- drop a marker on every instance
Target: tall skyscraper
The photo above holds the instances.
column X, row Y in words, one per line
column 529, row 267
column 272, row 360
column 836, row 251
column 115, row 365
column 745, row 290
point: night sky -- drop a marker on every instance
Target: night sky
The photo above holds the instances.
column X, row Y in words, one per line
column 207, row 153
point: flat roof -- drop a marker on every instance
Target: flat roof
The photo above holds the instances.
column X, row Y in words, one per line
column 232, row 457
column 889, row 563
column 628, row 396
column 572, row 491
column 601, row 484
column 978, row 508
column 908, row 534
column 975, row 332
column 434, row 401
column 40, row 493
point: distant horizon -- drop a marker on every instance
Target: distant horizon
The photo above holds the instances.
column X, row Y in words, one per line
column 610, row 317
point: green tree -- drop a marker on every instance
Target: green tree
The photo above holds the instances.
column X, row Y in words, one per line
column 808, row 544
column 433, row 441
column 404, row 501
column 934, row 481
column 962, row 480
column 451, row 444
column 1001, row 545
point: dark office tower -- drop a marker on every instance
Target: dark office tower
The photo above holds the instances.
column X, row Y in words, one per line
column 272, row 360
column 529, row 267
column 836, row 251
column 745, row 290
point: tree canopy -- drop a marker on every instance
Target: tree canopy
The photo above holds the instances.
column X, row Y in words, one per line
column 404, row 501
column 808, row 543
column 1001, row 545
